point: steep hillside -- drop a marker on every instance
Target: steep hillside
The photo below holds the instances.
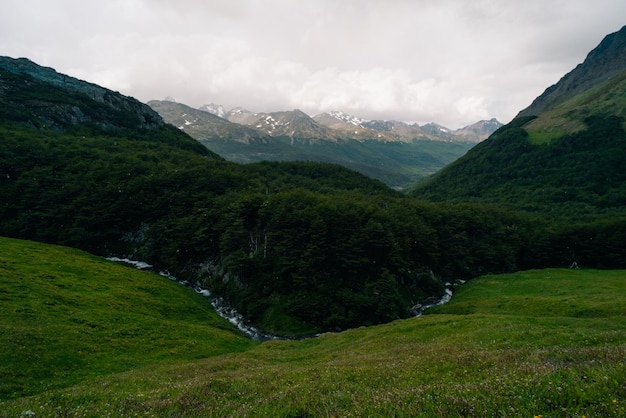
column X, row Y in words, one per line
column 42, row 99
column 605, row 61
column 567, row 160
column 608, row 98
column 566, row 164
column 47, row 98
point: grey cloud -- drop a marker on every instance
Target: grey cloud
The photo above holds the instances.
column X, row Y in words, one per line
column 449, row 61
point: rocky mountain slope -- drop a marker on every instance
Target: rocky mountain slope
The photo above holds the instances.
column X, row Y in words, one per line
column 605, row 61
column 298, row 125
column 479, row 130
column 204, row 125
column 294, row 124
column 90, row 103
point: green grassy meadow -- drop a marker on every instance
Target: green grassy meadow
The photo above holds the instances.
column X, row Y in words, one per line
column 82, row 337
column 66, row 316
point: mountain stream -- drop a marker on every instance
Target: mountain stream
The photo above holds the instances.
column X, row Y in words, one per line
column 229, row 313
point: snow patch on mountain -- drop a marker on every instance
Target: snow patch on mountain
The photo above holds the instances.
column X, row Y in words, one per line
column 186, row 122
column 269, row 124
column 350, row 126
column 353, row 120
column 214, row 109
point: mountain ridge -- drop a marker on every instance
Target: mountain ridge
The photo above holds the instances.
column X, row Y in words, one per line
column 350, row 126
column 144, row 116
column 205, row 125
column 603, row 62
column 566, row 161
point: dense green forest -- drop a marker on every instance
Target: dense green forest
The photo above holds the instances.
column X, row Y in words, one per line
column 566, row 165
column 576, row 183
column 294, row 246
column 578, row 175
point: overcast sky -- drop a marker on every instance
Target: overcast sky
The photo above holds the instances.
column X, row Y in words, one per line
column 453, row 62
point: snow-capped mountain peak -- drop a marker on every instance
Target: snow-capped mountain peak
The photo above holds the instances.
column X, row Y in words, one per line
column 353, row 120
column 217, row 110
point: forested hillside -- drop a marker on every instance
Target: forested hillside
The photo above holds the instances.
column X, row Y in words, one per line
column 297, row 248
column 578, row 176
column 322, row 245
column 563, row 156
column 566, row 164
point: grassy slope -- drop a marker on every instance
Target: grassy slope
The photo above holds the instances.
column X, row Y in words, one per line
column 66, row 315
column 549, row 342
column 608, row 98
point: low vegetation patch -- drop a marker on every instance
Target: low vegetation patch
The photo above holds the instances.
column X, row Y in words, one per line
column 566, row 118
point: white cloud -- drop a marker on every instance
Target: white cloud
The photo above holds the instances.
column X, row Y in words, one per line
column 449, row 61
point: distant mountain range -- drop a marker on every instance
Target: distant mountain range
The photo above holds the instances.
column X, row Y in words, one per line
column 396, row 153
column 336, row 125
